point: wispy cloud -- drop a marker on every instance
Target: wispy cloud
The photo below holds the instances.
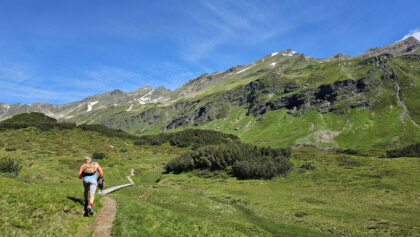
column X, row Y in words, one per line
column 415, row 33
column 220, row 23
column 29, row 94
column 107, row 77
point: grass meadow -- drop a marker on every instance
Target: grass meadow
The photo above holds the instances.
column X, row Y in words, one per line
column 341, row 194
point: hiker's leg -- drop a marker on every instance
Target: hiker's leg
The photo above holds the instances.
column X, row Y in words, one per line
column 92, row 190
column 86, row 187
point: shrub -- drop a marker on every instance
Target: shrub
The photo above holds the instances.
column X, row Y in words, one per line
column 109, row 132
column 98, row 156
column 9, row 165
column 265, row 168
column 307, row 166
column 407, row 151
column 195, row 138
column 348, row 151
column 62, row 126
column 246, row 161
column 25, row 120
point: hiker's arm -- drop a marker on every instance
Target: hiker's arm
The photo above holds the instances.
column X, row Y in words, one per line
column 81, row 172
column 101, row 173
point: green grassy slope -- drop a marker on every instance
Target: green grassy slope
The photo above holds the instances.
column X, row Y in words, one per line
column 343, row 195
column 46, row 199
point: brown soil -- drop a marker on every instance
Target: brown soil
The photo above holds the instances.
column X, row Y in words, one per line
column 105, row 218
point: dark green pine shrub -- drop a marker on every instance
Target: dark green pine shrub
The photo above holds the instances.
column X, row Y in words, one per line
column 265, row 167
column 25, row 120
column 98, row 156
column 109, row 132
column 9, row 165
column 193, row 138
column 347, row 151
column 245, row 161
column 407, row 151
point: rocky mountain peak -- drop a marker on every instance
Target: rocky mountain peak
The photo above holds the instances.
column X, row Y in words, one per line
column 398, row 48
column 116, row 92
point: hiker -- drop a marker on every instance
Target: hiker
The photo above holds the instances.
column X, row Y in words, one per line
column 89, row 172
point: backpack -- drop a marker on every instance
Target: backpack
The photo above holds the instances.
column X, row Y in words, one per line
column 90, row 168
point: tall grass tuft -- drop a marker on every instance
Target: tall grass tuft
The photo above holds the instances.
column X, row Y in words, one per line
column 9, row 165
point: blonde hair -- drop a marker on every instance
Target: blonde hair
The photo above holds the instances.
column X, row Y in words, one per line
column 88, row 158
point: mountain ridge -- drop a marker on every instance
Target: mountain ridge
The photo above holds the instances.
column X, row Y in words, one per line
column 285, row 83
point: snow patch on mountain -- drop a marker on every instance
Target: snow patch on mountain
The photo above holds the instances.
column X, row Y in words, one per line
column 289, row 54
column 131, row 108
column 274, row 54
column 243, row 70
column 273, row 64
column 143, row 100
column 90, row 104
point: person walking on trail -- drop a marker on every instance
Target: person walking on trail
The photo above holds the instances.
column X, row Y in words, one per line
column 89, row 172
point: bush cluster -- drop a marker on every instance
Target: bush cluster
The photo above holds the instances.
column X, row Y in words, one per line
column 347, row 151
column 109, row 132
column 25, row 120
column 9, row 165
column 98, row 156
column 44, row 122
column 245, row 161
column 189, row 137
column 408, row 151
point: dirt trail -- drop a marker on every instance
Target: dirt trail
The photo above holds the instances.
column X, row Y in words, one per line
column 105, row 218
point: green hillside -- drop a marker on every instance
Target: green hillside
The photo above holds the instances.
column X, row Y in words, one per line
column 326, row 192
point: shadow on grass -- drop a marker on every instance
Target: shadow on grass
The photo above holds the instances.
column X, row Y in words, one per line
column 77, row 200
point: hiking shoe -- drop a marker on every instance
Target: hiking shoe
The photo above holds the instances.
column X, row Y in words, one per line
column 90, row 209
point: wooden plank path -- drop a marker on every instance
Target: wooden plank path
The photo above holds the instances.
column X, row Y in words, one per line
column 115, row 188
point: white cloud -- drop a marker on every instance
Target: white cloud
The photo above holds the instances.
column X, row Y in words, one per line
column 109, row 78
column 28, row 94
column 415, row 33
column 221, row 23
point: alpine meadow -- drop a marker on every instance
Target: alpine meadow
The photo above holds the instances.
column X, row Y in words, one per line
column 287, row 145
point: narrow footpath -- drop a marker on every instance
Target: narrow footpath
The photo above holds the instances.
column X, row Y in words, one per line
column 105, row 218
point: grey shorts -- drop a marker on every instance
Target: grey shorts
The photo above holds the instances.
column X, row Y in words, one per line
column 90, row 185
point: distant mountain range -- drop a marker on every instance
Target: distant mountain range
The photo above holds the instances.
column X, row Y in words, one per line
column 285, row 98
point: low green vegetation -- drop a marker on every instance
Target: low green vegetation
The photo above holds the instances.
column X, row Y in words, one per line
column 326, row 193
column 193, row 138
column 407, row 151
column 9, row 165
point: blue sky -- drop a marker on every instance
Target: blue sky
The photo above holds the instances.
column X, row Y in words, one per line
column 61, row 51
